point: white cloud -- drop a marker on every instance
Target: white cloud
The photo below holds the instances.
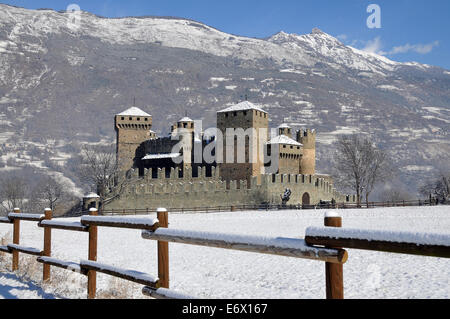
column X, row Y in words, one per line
column 374, row 46
column 342, row 37
column 418, row 48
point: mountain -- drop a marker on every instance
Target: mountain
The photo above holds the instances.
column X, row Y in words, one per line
column 61, row 84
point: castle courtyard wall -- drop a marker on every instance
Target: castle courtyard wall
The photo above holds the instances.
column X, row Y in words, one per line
column 187, row 192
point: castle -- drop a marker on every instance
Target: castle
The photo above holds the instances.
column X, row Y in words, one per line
column 173, row 172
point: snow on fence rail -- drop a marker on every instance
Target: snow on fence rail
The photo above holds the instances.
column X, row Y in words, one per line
column 163, row 293
column 332, row 240
column 5, row 249
column 25, row 250
column 288, row 247
column 5, row 220
column 423, row 244
column 132, row 223
column 130, row 275
column 74, row 226
column 27, row 217
column 62, row 264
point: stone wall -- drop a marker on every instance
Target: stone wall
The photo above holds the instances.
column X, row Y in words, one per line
column 188, row 192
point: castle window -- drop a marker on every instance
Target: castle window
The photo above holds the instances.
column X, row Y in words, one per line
column 226, row 114
column 235, row 113
column 245, row 113
column 138, row 118
column 146, row 119
column 131, row 119
column 292, row 147
column 123, row 119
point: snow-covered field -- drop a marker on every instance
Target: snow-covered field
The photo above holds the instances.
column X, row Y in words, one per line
column 218, row 273
column 12, row 287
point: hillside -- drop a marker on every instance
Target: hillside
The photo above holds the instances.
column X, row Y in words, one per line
column 61, row 86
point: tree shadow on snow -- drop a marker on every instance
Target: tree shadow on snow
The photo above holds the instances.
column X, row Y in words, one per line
column 13, row 289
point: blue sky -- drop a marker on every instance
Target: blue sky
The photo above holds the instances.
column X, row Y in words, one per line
column 411, row 30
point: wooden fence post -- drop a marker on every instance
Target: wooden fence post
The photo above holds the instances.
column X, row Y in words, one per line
column 16, row 240
column 47, row 245
column 92, row 274
column 334, row 273
column 163, row 250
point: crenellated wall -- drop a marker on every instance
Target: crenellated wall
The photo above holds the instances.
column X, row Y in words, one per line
column 188, row 192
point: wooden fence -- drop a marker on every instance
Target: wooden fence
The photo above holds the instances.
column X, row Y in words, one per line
column 320, row 244
column 271, row 207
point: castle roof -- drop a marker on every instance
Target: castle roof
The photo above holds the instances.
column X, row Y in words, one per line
column 243, row 106
column 185, row 119
column 161, row 156
column 284, row 125
column 133, row 111
column 283, row 139
column 91, row 195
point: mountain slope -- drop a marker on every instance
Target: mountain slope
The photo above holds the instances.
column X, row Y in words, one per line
column 60, row 85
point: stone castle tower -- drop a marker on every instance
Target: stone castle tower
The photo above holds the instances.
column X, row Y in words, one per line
column 308, row 160
column 186, row 128
column 244, row 115
column 133, row 127
column 285, row 129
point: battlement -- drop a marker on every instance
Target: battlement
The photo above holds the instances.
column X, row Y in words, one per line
column 308, row 133
column 267, row 181
column 170, row 188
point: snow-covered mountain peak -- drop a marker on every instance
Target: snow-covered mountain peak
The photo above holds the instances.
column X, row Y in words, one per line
column 307, row 50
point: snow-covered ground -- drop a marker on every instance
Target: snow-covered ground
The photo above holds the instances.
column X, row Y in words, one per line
column 217, row 273
column 12, row 287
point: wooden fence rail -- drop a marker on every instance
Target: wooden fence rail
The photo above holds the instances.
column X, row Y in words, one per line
column 287, row 247
column 432, row 245
column 324, row 244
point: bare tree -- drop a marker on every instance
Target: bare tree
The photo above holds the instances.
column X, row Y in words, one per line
column 51, row 192
column 395, row 195
column 360, row 165
column 13, row 193
column 438, row 187
column 99, row 168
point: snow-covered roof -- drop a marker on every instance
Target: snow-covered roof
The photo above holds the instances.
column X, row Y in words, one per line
column 185, row 119
column 243, row 106
column 284, row 125
column 133, row 111
column 92, row 195
column 161, row 156
column 283, row 139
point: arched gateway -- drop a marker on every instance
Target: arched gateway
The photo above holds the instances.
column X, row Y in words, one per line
column 306, row 199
